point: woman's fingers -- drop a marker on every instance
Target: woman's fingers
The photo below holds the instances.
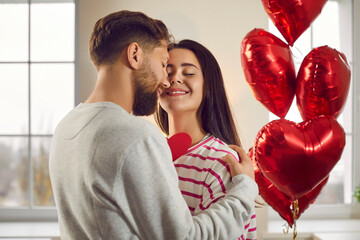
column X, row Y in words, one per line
column 242, row 167
column 241, row 152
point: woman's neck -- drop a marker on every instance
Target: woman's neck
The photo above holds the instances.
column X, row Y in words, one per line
column 188, row 123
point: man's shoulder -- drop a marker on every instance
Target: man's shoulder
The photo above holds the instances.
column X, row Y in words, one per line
column 120, row 128
column 135, row 127
column 106, row 121
column 118, row 120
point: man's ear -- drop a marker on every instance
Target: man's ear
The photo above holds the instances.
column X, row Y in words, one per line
column 135, row 55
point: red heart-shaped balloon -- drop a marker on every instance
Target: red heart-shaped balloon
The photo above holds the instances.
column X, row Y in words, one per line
column 297, row 157
column 269, row 70
column 179, row 144
column 293, row 17
column 323, row 83
column 278, row 200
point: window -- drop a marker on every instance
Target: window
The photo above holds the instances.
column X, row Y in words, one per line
column 333, row 27
column 37, row 88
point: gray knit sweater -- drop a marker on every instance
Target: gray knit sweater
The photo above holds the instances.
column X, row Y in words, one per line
column 113, row 178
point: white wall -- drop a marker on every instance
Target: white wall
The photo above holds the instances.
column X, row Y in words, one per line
column 220, row 26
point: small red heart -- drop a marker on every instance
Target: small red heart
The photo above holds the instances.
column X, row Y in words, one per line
column 179, row 144
column 297, row 157
column 278, row 200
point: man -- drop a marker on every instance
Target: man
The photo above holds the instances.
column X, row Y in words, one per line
column 111, row 172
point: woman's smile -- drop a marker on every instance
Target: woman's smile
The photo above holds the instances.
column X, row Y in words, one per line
column 176, row 92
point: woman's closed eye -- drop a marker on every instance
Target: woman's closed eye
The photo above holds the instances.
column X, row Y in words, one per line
column 188, row 74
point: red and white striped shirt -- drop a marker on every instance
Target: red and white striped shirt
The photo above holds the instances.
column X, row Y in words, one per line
column 204, row 178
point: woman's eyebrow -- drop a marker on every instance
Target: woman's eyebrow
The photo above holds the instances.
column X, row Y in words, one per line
column 184, row 65
column 189, row 64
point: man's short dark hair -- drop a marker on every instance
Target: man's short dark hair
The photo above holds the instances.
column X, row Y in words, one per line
column 116, row 31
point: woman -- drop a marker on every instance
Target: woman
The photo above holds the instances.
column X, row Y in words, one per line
column 196, row 104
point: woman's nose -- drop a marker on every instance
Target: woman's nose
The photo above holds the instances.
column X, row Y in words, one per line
column 176, row 78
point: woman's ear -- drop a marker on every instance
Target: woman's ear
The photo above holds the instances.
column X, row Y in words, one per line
column 135, row 55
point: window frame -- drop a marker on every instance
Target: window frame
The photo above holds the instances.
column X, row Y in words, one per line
column 33, row 213
column 352, row 210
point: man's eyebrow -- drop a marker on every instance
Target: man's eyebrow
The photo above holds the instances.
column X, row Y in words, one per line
column 184, row 65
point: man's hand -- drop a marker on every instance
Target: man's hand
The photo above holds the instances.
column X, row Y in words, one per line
column 242, row 167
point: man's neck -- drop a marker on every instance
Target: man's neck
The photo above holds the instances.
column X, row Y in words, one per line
column 113, row 85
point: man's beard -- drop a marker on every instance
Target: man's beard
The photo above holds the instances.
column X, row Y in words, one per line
column 145, row 98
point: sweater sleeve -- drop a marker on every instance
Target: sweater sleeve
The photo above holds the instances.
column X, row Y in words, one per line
column 158, row 210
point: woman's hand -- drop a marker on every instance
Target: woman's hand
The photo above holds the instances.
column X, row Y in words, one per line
column 243, row 167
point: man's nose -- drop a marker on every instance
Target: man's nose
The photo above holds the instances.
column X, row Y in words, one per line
column 165, row 81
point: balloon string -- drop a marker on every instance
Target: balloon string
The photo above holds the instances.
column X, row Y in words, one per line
column 295, row 211
column 285, row 228
column 299, row 52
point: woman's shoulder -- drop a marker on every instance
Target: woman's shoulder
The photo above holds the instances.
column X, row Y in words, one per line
column 214, row 150
column 219, row 147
